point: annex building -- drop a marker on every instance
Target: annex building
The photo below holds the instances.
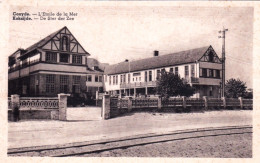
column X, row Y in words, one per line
column 55, row 64
column 200, row 67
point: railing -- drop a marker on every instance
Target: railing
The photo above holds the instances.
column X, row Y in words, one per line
column 247, row 103
column 138, row 84
column 122, row 105
column 145, row 102
column 38, row 103
column 118, row 106
column 215, row 102
column 172, row 102
column 194, row 80
column 232, row 102
column 195, row 102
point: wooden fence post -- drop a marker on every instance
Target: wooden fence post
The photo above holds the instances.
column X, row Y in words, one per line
column 129, row 104
column 224, row 102
column 206, row 102
column 184, row 102
column 159, row 102
column 63, row 106
column 241, row 102
column 106, row 107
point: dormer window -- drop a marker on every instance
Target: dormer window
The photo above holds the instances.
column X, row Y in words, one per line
column 211, row 57
column 64, row 43
column 95, row 67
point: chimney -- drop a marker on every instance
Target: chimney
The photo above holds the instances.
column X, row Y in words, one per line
column 156, row 53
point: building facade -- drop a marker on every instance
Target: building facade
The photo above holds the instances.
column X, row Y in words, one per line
column 95, row 72
column 55, row 64
column 200, row 67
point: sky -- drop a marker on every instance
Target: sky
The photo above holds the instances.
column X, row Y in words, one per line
column 112, row 34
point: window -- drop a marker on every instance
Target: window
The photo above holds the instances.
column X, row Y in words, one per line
column 176, row 70
column 76, row 84
column 204, row 72
column 192, row 71
column 64, row 43
column 25, row 62
column 116, row 79
column 121, row 78
column 171, row 70
column 218, row 73
column 158, row 74
column 145, row 76
column 100, row 78
column 64, row 83
column 128, row 78
column 95, row 68
column 150, row 75
column 211, row 57
column 210, row 73
column 76, row 79
column 186, row 71
column 77, row 59
column 163, row 70
column 137, row 74
column 96, row 78
column 76, row 88
column 214, row 74
column 109, row 80
column 50, row 83
column 124, row 78
column 50, row 79
column 89, row 78
column 51, row 57
column 35, row 58
column 64, row 57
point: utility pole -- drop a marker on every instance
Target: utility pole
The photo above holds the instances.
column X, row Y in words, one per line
column 223, row 59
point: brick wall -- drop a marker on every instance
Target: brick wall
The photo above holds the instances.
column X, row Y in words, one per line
column 36, row 114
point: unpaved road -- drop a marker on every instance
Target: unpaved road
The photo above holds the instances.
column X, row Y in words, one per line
column 40, row 133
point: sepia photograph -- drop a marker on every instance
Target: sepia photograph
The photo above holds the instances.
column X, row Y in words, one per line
column 130, row 81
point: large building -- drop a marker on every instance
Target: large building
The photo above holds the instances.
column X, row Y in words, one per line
column 200, row 67
column 95, row 72
column 55, row 64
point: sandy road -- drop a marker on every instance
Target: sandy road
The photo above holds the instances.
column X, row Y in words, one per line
column 43, row 133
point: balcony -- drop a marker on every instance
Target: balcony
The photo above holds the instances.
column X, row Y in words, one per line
column 138, row 84
column 194, row 80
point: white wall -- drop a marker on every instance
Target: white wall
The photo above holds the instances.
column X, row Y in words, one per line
column 181, row 72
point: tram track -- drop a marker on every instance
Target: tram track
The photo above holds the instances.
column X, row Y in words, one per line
column 83, row 148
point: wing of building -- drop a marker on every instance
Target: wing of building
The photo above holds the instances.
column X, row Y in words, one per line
column 200, row 67
column 55, row 64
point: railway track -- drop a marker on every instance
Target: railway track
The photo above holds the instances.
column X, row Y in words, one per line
column 83, row 148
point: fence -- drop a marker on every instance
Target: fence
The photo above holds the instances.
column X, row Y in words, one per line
column 38, row 107
column 38, row 103
column 118, row 106
column 115, row 106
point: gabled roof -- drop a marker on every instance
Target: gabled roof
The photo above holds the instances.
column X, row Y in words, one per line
column 43, row 41
column 188, row 56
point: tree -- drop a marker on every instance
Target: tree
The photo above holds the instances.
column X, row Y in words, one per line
column 170, row 84
column 235, row 88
